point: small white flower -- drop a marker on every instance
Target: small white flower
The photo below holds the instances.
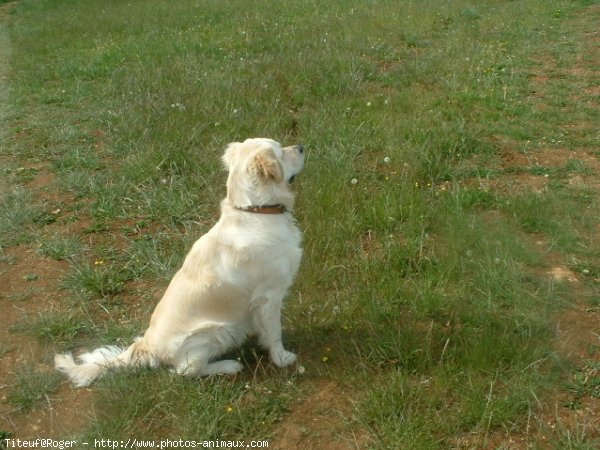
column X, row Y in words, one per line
column 353, row 181
column 386, row 159
column 368, row 103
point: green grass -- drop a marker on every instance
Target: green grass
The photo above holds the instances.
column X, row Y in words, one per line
column 55, row 327
column 215, row 408
column 18, row 211
column 60, row 247
column 421, row 291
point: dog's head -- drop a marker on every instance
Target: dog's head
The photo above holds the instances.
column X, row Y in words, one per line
column 260, row 172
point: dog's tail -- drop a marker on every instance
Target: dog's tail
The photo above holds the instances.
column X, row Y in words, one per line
column 95, row 364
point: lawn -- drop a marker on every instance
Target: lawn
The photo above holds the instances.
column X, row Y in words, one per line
column 449, row 291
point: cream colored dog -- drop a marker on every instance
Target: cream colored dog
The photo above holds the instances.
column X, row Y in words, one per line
column 232, row 282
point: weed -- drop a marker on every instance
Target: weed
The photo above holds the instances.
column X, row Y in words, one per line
column 23, row 295
column 60, row 328
column 6, row 259
column 60, row 247
column 586, row 382
column 18, row 216
column 31, row 387
column 102, row 277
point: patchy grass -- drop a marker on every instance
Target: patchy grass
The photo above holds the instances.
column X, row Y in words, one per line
column 451, row 165
column 31, row 387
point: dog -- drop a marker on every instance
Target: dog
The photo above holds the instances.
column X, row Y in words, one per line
column 232, row 282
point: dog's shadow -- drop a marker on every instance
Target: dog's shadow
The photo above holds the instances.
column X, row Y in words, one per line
column 320, row 351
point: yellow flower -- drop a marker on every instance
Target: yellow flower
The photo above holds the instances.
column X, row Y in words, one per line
column 99, row 263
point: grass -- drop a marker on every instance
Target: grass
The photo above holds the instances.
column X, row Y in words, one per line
column 18, row 211
column 215, row 407
column 585, row 382
column 53, row 327
column 420, row 293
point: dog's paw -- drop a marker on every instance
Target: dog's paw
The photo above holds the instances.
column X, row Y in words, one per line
column 225, row 367
column 230, row 367
column 283, row 358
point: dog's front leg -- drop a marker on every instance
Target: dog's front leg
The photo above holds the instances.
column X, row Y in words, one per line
column 267, row 324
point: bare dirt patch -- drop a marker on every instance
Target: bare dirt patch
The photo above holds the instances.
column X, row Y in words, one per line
column 315, row 421
column 549, row 157
column 515, row 183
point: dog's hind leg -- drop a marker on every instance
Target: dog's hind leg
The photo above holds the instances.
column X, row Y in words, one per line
column 198, row 354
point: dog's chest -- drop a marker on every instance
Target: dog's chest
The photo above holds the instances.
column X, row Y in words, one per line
column 259, row 248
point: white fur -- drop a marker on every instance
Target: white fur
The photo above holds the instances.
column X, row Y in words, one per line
column 232, row 282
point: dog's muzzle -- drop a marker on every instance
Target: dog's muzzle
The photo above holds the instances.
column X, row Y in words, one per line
column 300, row 149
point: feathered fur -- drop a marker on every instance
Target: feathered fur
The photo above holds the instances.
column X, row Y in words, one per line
column 231, row 284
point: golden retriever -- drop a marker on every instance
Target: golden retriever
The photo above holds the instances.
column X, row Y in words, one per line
column 232, row 282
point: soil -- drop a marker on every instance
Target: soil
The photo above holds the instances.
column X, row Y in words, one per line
column 317, row 422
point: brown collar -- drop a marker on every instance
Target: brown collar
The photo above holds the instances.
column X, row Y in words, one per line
column 265, row 209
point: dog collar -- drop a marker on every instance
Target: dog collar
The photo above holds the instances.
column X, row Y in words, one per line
column 264, row 209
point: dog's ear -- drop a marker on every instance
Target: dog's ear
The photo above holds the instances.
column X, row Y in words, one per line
column 228, row 157
column 265, row 167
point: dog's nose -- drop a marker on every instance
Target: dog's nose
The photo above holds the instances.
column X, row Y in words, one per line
column 300, row 148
